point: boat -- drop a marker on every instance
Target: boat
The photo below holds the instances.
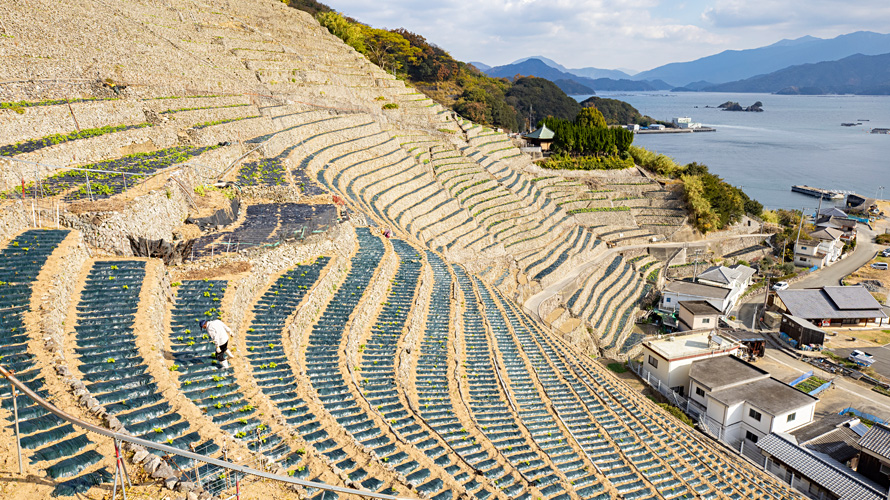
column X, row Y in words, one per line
column 825, row 194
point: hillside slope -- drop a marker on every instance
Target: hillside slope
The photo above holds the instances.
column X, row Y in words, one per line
column 235, row 160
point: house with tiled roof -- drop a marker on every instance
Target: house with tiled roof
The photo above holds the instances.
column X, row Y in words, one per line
column 813, row 473
column 822, row 248
column 874, row 457
column 831, row 306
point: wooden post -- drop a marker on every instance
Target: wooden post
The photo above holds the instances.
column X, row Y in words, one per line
column 18, row 442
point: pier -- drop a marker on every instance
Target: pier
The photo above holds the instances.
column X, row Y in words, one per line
column 825, row 194
column 677, row 130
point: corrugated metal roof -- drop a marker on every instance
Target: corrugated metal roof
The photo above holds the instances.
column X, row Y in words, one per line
column 839, row 444
column 877, row 440
column 821, row 469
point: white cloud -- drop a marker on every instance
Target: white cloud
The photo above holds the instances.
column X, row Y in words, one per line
column 614, row 33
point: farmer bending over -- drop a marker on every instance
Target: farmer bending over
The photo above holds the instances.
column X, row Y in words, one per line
column 219, row 333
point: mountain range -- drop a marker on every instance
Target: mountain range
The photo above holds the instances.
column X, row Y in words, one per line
column 730, row 69
column 732, row 65
column 857, row 74
column 539, row 68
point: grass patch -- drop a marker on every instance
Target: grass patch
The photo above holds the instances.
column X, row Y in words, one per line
column 881, row 390
column 678, row 414
column 617, row 367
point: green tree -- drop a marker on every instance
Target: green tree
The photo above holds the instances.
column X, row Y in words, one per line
column 387, row 49
column 591, row 118
column 339, row 26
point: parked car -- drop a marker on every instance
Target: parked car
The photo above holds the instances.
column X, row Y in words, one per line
column 861, row 358
column 880, row 265
column 781, row 285
column 886, row 252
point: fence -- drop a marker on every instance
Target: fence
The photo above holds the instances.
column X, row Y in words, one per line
column 121, row 476
column 672, row 396
column 801, row 378
column 861, row 414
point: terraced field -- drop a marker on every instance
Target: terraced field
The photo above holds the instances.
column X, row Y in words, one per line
column 371, row 276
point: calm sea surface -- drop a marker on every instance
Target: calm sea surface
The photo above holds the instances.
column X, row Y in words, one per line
column 796, row 140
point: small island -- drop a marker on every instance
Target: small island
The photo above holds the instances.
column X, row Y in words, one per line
column 757, row 107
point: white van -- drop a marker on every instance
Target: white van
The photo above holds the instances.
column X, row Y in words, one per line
column 880, row 265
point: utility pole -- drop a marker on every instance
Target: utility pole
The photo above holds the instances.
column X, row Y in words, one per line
column 695, row 269
column 799, row 227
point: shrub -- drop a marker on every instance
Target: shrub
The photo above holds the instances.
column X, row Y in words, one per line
column 391, row 105
column 678, row 413
column 883, row 239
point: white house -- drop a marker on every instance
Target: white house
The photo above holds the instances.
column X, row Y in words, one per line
column 742, row 402
column 697, row 315
column 824, row 251
column 668, row 360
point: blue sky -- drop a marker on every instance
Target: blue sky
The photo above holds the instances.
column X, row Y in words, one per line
column 635, row 34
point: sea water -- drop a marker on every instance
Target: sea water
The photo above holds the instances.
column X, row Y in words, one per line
column 795, row 140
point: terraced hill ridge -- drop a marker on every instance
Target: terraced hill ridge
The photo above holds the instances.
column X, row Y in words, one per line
column 396, row 364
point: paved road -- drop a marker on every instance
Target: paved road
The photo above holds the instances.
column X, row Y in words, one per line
column 882, row 403
column 829, row 276
column 535, row 301
column 866, row 248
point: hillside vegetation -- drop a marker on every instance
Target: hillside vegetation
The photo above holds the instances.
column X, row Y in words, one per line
column 713, row 203
column 497, row 102
column 618, row 112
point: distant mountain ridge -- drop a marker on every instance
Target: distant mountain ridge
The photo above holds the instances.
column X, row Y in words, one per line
column 733, row 65
column 857, row 74
column 539, row 68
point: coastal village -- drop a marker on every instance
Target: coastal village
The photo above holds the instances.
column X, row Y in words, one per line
column 241, row 259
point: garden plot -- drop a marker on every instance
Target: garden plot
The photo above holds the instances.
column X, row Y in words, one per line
column 81, row 185
column 269, row 224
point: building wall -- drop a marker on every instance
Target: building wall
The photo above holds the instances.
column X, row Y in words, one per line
column 802, row 416
column 670, row 301
column 870, row 467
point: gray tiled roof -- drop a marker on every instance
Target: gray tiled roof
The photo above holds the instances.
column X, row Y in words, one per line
column 831, row 302
column 697, row 289
column 821, row 469
column 851, row 297
column 877, row 440
column 726, row 275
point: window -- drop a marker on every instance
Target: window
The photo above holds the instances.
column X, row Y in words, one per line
column 706, row 321
column 700, row 392
column 653, row 361
column 803, row 248
column 750, row 436
column 667, row 299
column 754, row 414
column 792, row 417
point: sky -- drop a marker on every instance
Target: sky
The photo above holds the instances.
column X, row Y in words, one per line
column 613, row 34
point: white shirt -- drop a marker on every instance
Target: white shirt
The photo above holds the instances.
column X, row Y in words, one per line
column 218, row 332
